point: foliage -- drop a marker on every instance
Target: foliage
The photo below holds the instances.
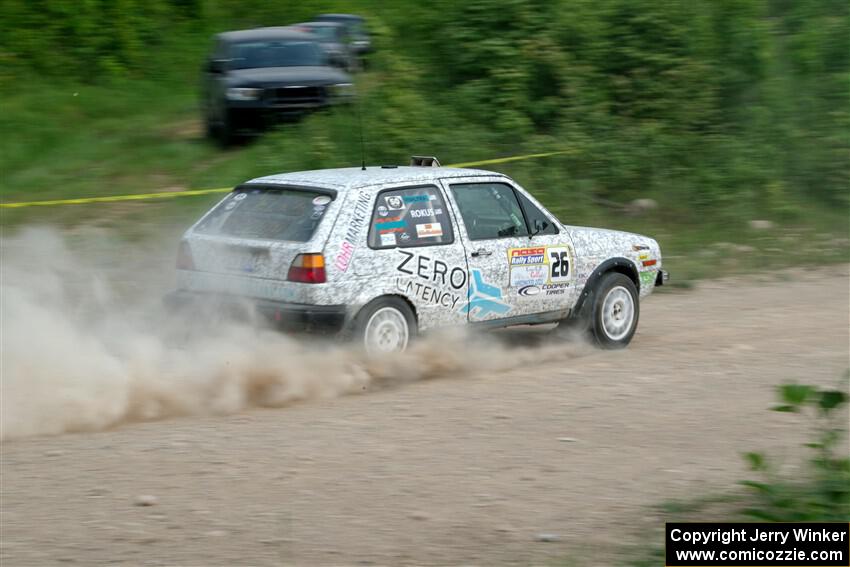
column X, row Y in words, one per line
column 824, row 495
column 820, row 493
column 725, row 110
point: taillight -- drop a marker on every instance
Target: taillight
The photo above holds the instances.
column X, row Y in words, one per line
column 184, row 257
column 307, row 268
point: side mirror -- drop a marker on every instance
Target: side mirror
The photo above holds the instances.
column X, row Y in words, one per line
column 216, row 66
column 539, row 226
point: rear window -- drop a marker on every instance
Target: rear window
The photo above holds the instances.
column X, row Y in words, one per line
column 270, row 214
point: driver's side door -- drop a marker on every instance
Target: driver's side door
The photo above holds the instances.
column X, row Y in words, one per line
column 515, row 254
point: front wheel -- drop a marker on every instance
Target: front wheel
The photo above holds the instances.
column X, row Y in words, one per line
column 385, row 325
column 611, row 312
column 615, row 311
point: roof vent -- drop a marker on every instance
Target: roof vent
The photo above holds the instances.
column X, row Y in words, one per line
column 424, row 161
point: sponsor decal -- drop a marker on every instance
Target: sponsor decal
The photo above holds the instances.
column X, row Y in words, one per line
column 639, row 247
column 431, row 270
column 539, row 265
column 484, row 298
column 419, row 213
column 231, row 205
column 426, row 293
column 240, row 196
column 529, row 291
column 383, row 211
column 386, row 230
column 520, row 256
column 432, row 281
column 418, row 198
column 647, row 278
column 388, row 239
column 321, row 200
column 404, row 237
column 555, row 289
column 388, row 224
column 388, row 219
column 429, row 230
column 358, row 219
column 394, row 202
column 529, row 275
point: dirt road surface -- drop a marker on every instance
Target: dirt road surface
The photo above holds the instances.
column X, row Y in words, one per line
column 460, row 470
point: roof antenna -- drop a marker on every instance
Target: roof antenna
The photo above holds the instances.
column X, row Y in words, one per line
column 362, row 143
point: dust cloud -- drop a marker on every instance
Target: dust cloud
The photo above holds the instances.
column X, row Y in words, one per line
column 86, row 344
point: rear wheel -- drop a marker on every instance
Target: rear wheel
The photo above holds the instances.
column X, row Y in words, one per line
column 385, row 325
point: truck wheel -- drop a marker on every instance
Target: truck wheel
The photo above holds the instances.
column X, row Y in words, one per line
column 226, row 136
column 615, row 310
column 210, row 128
column 226, row 130
column 385, row 325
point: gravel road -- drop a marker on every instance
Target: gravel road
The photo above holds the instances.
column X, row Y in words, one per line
column 555, row 462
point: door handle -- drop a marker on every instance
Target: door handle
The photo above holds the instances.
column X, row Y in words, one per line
column 482, row 252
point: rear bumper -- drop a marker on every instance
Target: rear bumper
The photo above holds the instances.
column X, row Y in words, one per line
column 281, row 315
column 662, row 277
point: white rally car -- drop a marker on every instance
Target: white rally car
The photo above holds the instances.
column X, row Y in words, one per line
column 384, row 253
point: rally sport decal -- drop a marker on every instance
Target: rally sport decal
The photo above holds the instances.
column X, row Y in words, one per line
column 540, row 270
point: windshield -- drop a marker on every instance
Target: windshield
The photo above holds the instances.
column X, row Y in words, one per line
column 257, row 54
column 268, row 214
column 324, row 34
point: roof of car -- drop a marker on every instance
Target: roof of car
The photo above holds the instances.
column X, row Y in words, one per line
column 340, row 17
column 355, row 177
column 327, row 24
column 261, row 34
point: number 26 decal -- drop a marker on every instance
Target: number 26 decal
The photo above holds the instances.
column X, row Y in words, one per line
column 559, row 264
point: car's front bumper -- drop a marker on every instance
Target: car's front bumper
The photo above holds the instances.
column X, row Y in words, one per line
column 282, row 315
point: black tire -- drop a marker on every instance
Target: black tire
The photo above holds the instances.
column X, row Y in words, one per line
column 396, row 309
column 210, row 128
column 594, row 322
column 613, row 338
column 226, row 132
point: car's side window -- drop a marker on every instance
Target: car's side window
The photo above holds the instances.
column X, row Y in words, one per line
column 410, row 216
column 537, row 221
column 489, row 210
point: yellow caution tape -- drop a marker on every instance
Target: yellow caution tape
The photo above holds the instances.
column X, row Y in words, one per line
column 113, row 198
column 173, row 194
column 506, row 159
